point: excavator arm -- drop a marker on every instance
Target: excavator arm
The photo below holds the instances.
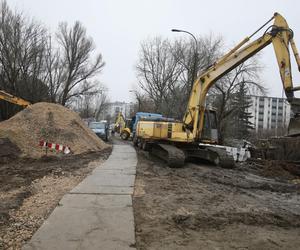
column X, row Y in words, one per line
column 13, row 99
column 119, row 123
column 279, row 34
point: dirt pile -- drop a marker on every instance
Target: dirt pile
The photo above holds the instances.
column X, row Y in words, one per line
column 8, row 150
column 279, row 170
column 52, row 123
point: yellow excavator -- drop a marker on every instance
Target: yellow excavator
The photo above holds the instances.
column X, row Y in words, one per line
column 196, row 135
column 119, row 124
column 13, row 99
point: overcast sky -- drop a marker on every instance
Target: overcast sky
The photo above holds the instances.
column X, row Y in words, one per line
column 118, row 26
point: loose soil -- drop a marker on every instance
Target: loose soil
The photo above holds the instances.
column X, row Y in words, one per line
column 52, row 123
column 31, row 188
column 254, row 206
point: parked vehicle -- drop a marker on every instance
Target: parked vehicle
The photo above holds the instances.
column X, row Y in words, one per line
column 100, row 129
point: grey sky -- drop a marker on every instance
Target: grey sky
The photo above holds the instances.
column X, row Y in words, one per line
column 118, row 27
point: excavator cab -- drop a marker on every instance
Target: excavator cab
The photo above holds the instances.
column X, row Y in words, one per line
column 210, row 126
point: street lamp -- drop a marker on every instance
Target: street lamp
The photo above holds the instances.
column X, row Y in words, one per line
column 184, row 31
column 194, row 73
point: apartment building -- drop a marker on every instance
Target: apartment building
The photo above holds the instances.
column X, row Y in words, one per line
column 114, row 108
column 269, row 112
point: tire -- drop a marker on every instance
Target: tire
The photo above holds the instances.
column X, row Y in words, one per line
column 124, row 135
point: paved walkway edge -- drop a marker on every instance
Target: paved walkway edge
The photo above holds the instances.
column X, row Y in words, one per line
column 97, row 213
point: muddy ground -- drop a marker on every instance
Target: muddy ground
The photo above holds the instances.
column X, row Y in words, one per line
column 30, row 189
column 255, row 206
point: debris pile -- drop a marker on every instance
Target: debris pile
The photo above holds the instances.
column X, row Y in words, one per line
column 52, row 123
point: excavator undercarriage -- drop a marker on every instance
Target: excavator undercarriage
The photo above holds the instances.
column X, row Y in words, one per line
column 175, row 155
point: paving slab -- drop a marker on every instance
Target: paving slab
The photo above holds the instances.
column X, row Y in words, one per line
column 103, row 190
column 127, row 171
column 88, row 222
column 97, row 213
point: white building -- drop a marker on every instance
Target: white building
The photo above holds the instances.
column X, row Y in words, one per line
column 269, row 112
column 114, row 108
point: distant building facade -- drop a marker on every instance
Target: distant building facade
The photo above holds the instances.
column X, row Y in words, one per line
column 114, row 108
column 269, row 112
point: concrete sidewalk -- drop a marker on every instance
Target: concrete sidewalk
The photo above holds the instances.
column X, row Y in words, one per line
column 96, row 214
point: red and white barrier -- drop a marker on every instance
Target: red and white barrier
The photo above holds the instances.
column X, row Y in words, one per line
column 57, row 147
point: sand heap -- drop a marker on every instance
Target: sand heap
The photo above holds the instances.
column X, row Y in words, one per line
column 52, row 123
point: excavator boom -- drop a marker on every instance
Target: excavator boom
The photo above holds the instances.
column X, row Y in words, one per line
column 13, row 99
column 280, row 35
column 119, row 123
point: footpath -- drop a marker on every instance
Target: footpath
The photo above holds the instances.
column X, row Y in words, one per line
column 97, row 213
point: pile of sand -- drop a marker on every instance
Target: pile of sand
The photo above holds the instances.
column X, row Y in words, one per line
column 52, row 123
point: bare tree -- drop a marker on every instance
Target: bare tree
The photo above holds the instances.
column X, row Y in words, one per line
column 195, row 57
column 54, row 71
column 22, row 48
column 101, row 103
column 93, row 104
column 77, row 50
column 85, row 106
column 222, row 92
column 32, row 68
column 157, row 70
column 166, row 71
column 142, row 103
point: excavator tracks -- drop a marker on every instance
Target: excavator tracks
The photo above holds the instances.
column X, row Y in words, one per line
column 222, row 159
column 174, row 156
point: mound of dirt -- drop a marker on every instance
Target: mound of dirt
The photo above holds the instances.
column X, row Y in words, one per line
column 52, row 123
column 8, row 149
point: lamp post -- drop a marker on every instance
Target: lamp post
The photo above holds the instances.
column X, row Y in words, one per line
column 194, row 73
column 184, row 31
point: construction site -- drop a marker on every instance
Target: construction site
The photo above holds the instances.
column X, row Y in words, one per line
column 181, row 171
column 199, row 206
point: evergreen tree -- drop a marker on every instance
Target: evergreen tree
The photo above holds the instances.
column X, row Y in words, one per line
column 241, row 124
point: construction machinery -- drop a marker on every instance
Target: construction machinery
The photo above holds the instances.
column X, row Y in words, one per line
column 130, row 124
column 119, row 123
column 196, row 135
column 13, row 99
